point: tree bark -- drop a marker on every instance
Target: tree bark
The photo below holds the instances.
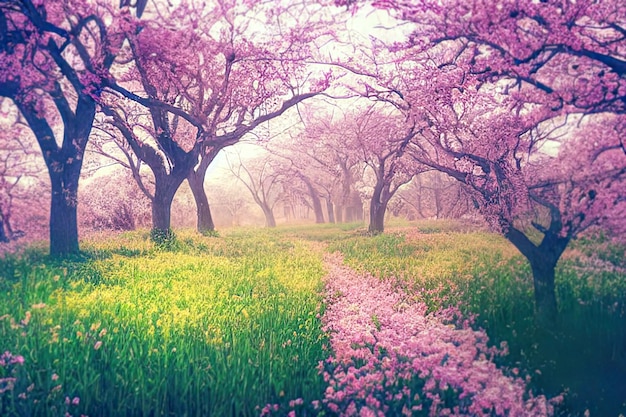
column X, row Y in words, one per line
column 63, row 214
column 545, row 294
column 317, row 204
column 4, row 236
column 377, row 217
column 205, row 222
column 378, row 207
column 270, row 221
column 164, row 192
column 330, row 210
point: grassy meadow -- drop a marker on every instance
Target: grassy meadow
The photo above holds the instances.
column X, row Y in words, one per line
column 210, row 326
column 224, row 325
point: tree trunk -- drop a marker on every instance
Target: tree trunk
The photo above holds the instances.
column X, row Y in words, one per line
column 4, row 236
column 378, row 206
column 339, row 213
column 543, row 260
column 165, row 189
column 63, row 213
column 205, row 222
column 330, row 210
column 63, row 225
column 377, row 217
column 270, row 221
column 543, row 283
column 317, row 204
column 64, row 164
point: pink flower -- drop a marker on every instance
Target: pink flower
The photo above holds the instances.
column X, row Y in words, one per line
column 97, row 345
column 381, row 338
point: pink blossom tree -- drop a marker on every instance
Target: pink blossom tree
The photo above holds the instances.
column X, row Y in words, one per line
column 481, row 82
column 118, row 204
column 569, row 53
column 53, row 59
column 206, row 85
column 434, row 195
column 379, row 137
column 495, row 146
column 322, row 153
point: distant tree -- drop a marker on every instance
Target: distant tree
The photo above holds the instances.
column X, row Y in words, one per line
column 321, row 154
column 264, row 177
column 112, row 207
column 231, row 200
column 433, row 194
column 379, row 137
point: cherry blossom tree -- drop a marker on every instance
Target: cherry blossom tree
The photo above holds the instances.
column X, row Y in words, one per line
column 232, row 204
column 206, row 85
column 482, row 81
column 499, row 150
column 569, row 53
column 433, row 194
column 379, row 136
column 308, row 184
column 54, row 57
column 321, row 153
column 118, row 204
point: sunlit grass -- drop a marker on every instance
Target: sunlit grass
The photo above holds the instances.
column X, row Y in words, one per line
column 221, row 325
column 218, row 326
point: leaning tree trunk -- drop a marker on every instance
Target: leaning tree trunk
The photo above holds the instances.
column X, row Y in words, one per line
column 317, row 204
column 270, row 221
column 205, row 222
column 330, row 210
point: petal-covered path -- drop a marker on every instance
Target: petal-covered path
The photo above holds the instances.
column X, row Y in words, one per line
column 391, row 358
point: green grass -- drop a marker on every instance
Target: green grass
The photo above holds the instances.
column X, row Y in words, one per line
column 213, row 326
column 220, row 325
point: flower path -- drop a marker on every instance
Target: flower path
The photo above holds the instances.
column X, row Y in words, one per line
column 391, row 358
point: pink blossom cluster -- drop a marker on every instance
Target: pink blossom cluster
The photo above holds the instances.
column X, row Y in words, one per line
column 20, row 394
column 391, row 357
column 8, row 362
